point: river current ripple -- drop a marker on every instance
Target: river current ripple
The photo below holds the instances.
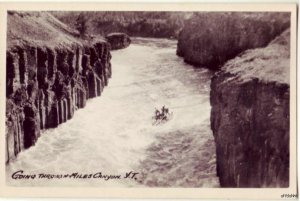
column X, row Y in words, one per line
column 114, row 134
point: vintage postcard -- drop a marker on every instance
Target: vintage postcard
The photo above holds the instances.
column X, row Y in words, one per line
column 148, row 100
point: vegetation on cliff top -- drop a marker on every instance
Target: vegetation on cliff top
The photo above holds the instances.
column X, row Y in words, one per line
column 142, row 24
column 271, row 63
column 40, row 29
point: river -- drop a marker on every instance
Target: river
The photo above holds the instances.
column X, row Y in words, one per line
column 114, row 133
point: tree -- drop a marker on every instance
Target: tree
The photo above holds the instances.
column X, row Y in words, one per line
column 81, row 24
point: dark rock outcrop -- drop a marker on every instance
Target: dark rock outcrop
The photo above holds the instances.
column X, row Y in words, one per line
column 209, row 39
column 47, row 83
column 250, row 117
column 118, row 40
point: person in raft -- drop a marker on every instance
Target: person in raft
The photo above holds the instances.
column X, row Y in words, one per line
column 163, row 114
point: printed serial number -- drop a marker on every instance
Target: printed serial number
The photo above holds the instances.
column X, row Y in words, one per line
column 289, row 196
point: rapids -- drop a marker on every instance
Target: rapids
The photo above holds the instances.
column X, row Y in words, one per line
column 114, row 134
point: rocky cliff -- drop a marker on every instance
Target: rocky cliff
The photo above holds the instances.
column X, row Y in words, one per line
column 250, row 117
column 209, row 39
column 118, row 40
column 50, row 74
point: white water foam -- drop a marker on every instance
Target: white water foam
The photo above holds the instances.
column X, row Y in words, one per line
column 114, row 134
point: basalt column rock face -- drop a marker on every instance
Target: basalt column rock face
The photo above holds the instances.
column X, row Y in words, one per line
column 250, row 117
column 46, row 85
column 118, row 40
column 209, row 39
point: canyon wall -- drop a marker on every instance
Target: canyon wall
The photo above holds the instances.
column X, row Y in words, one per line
column 135, row 24
column 209, row 39
column 46, row 82
column 118, row 40
column 250, row 117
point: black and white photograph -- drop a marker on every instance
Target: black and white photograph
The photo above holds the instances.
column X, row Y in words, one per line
column 148, row 99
